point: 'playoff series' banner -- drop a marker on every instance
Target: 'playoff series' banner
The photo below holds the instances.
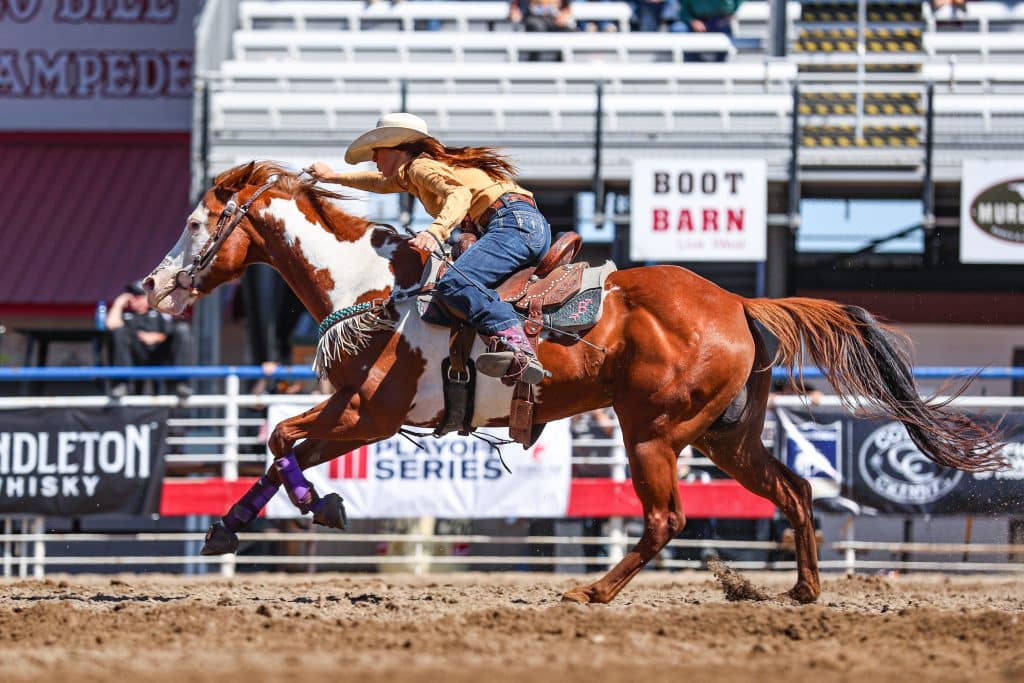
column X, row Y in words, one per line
column 81, row 461
column 875, row 463
column 455, row 477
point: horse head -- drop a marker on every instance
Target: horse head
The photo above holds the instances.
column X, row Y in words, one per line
column 262, row 213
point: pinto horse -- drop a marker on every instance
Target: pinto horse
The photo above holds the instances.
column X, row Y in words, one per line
column 679, row 359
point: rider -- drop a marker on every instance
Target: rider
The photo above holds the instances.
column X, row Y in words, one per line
column 474, row 187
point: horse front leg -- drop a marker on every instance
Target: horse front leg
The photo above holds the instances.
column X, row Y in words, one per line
column 330, row 429
column 653, row 466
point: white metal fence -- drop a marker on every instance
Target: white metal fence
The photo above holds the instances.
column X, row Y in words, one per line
column 228, row 439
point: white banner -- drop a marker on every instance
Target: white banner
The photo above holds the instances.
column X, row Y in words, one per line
column 992, row 212
column 696, row 210
column 455, row 477
column 96, row 65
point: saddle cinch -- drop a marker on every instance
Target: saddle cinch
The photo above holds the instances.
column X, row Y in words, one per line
column 556, row 294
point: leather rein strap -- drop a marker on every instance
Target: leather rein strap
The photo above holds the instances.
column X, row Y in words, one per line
column 186, row 278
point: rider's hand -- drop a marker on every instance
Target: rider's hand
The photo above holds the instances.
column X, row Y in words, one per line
column 424, row 241
column 319, row 170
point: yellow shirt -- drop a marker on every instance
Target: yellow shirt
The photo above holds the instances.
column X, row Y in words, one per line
column 448, row 193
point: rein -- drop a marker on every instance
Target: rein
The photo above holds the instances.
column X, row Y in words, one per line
column 186, row 278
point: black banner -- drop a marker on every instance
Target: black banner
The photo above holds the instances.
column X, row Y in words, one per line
column 70, row 462
column 875, row 463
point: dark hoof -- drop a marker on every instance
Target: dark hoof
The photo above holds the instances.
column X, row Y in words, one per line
column 220, row 540
column 331, row 512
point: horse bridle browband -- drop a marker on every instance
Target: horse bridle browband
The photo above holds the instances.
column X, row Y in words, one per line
column 186, row 277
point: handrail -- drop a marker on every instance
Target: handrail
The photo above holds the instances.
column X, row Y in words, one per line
column 28, row 374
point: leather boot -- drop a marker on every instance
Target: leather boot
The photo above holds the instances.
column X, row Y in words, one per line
column 516, row 361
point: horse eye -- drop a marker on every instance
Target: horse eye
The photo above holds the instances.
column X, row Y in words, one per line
column 193, row 226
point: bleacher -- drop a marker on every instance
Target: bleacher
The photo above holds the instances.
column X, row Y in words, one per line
column 303, row 77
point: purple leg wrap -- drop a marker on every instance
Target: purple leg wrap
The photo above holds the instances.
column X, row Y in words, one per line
column 299, row 490
column 249, row 505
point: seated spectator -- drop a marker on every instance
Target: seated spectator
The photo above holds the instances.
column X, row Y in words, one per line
column 542, row 15
column 949, row 14
column 653, row 15
column 604, row 25
column 141, row 335
column 706, row 16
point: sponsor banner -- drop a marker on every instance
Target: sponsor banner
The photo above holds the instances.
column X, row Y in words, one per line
column 698, row 210
column 813, row 448
column 876, row 464
column 892, row 475
column 96, row 65
column 992, row 212
column 72, row 462
column 453, row 477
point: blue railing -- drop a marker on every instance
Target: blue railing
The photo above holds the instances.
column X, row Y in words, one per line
column 86, row 373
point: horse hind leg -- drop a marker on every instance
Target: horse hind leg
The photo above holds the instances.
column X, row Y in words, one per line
column 740, row 453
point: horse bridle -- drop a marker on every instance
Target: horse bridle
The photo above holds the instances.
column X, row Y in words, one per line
column 186, row 277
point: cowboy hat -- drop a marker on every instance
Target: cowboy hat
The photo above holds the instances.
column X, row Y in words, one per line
column 392, row 130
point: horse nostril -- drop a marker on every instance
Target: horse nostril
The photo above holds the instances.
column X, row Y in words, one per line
column 149, row 284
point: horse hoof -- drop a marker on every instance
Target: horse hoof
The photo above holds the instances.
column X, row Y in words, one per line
column 803, row 593
column 331, row 512
column 220, row 540
column 576, row 595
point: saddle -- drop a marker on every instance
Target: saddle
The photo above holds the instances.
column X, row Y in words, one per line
column 537, row 291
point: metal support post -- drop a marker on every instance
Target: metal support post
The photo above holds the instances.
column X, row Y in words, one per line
column 232, row 386
column 777, row 28
column 849, row 555
column 8, row 530
column 794, row 163
column 862, row 19
column 931, row 236
column 23, row 549
column 598, row 179
column 616, row 528
column 39, row 548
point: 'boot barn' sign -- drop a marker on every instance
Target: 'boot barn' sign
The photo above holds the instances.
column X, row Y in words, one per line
column 698, row 210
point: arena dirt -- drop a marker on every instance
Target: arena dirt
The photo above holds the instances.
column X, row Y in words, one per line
column 484, row 628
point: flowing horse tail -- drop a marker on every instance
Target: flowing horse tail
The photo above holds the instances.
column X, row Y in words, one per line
column 868, row 365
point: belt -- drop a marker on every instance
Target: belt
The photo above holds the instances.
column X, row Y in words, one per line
column 481, row 223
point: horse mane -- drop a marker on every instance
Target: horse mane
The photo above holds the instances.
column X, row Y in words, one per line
column 259, row 172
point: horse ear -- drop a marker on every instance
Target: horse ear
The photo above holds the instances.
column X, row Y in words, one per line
column 237, row 178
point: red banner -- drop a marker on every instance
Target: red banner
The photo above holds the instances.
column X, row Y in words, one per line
column 722, row 499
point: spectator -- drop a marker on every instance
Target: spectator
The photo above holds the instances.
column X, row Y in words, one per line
column 542, row 15
column 651, row 15
column 141, row 335
column 949, row 14
column 706, row 16
column 603, row 25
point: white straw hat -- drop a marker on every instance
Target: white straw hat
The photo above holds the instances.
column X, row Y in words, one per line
column 392, row 130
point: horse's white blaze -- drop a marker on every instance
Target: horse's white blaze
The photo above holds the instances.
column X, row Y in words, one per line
column 165, row 297
column 354, row 267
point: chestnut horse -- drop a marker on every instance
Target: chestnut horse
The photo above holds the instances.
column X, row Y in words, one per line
column 678, row 358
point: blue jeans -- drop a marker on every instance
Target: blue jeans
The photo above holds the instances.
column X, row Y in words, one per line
column 516, row 236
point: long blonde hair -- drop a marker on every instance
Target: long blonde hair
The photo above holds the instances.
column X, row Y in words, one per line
column 487, row 159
